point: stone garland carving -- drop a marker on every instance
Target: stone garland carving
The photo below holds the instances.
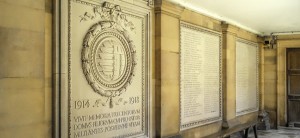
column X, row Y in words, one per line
column 108, row 54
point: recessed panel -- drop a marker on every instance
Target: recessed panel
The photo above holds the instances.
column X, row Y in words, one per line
column 200, row 76
column 105, row 90
column 246, row 77
column 294, row 62
column 294, row 87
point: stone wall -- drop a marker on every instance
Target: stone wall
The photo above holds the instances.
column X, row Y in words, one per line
column 26, row 70
column 283, row 42
column 25, row 62
column 168, row 17
column 270, row 80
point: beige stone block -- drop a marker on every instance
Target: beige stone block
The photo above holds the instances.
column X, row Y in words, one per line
column 230, row 104
column 205, row 23
column 152, row 108
column 247, row 35
column 170, row 44
column 270, row 75
column 200, row 20
column 170, row 66
column 38, row 130
column 158, row 107
column 292, row 43
column 248, row 117
column 157, row 43
column 49, row 6
column 270, row 52
column 168, row 95
column 169, row 108
column 281, row 64
column 217, row 27
column 186, row 15
column 282, row 113
column 270, row 87
column 282, row 75
column 21, row 108
column 281, row 53
column 230, row 72
column 22, row 53
column 270, row 68
column 48, row 58
column 158, row 23
column 48, row 24
column 21, row 83
column 210, row 25
column 21, row 17
column 270, row 102
column 48, row 45
column 35, row 4
column 288, row 37
column 270, row 94
column 48, row 82
column 153, row 62
column 169, row 8
column 270, row 60
column 48, row 104
column 169, row 26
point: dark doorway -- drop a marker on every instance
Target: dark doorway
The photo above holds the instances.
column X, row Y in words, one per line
column 293, row 87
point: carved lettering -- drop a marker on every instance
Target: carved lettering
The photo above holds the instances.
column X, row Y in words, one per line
column 246, row 77
column 200, row 76
column 107, row 57
column 101, row 123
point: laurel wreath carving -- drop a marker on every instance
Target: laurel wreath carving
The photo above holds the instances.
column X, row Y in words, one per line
column 111, row 27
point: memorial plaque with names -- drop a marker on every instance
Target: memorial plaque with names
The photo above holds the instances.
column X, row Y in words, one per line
column 246, row 77
column 104, row 69
column 200, row 76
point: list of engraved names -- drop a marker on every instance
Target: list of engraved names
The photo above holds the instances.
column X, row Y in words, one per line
column 246, row 77
column 200, row 76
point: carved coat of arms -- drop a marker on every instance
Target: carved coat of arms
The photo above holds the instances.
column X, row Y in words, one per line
column 108, row 54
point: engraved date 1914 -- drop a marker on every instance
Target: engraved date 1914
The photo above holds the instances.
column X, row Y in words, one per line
column 94, row 103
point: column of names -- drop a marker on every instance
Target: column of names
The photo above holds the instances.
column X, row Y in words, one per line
column 199, row 77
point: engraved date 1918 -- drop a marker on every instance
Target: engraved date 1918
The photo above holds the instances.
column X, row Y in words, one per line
column 94, row 103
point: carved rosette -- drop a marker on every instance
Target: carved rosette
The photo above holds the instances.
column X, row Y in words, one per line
column 108, row 54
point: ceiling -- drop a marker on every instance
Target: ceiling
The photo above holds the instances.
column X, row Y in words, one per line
column 258, row 16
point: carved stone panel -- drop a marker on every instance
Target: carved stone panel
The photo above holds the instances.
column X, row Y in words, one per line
column 246, row 77
column 105, row 67
column 200, row 76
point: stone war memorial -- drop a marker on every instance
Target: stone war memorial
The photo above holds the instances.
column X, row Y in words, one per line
column 114, row 84
column 142, row 69
column 106, row 48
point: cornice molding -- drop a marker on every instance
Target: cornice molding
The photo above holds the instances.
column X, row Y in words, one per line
column 169, row 8
column 228, row 28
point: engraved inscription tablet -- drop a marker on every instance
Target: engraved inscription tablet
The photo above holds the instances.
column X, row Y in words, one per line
column 200, row 76
column 105, row 79
column 246, row 77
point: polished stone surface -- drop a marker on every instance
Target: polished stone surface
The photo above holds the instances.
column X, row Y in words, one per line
column 273, row 133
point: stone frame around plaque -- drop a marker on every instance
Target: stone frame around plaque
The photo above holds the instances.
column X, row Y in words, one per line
column 252, row 44
column 141, row 10
column 209, row 120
